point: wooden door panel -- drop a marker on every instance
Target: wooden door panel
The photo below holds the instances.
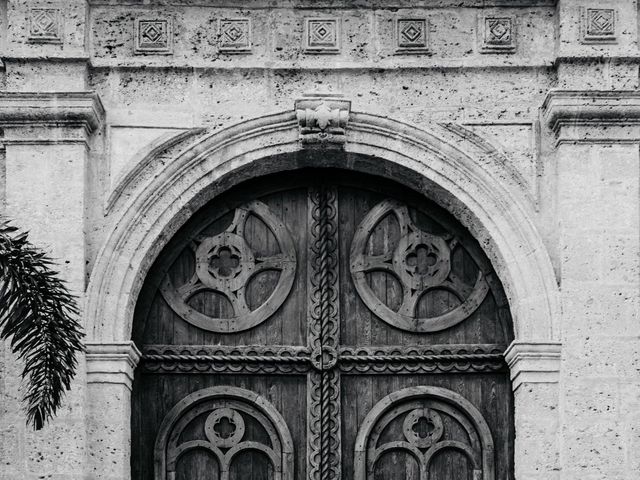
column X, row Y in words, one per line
column 341, row 345
column 159, row 393
column 490, row 323
column 287, row 326
column 489, row 393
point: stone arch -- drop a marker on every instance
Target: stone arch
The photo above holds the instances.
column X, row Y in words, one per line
column 448, row 165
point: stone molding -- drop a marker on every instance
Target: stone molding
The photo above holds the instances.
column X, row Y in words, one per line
column 112, row 362
column 322, row 118
column 593, row 116
column 533, row 362
column 69, row 109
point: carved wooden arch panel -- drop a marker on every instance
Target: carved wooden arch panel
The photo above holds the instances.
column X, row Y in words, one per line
column 325, row 354
column 223, row 412
column 410, row 407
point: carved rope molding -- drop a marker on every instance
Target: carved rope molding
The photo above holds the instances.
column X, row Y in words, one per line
column 593, row 116
column 323, row 385
column 298, row 360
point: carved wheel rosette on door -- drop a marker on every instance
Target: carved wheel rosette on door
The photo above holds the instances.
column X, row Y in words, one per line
column 225, row 264
column 421, row 262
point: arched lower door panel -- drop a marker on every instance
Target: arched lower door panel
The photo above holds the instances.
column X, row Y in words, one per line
column 322, row 325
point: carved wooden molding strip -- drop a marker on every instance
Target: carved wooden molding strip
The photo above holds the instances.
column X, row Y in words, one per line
column 437, row 359
column 323, row 386
column 297, row 360
column 198, row 359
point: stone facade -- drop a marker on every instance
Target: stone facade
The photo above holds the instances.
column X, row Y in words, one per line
column 120, row 117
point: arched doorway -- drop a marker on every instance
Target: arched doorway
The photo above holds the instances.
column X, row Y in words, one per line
column 340, row 310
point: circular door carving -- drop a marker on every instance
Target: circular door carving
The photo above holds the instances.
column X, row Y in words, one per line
column 225, row 263
column 421, row 262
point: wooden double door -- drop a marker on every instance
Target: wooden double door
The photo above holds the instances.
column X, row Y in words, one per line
column 322, row 325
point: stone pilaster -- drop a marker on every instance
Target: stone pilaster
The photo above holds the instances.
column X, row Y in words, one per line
column 46, row 145
column 110, row 369
column 597, row 138
column 535, row 373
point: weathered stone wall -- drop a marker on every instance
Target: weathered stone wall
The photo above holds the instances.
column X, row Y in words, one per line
column 548, row 87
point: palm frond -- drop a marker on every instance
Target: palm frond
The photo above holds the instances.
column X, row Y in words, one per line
column 38, row 317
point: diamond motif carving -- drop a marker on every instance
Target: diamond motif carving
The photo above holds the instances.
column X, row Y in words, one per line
column 412, row 35
column 497, row 34
column 322, row 35
column 598, row 25
column 45, row 25
column 153, row 36
column 235, row 35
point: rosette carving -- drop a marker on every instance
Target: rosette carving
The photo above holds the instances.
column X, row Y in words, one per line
column 421, row 262
column 225, row 263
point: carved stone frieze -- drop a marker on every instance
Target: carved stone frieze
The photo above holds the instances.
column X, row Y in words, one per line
column 412, row 35
column 235, row 35
column 497, row 33
column 322, row 35
column 598, row 25
column 322, row 118
column 45, row 25
column 154, row 36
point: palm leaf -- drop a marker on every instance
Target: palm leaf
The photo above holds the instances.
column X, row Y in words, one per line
column 38, row 317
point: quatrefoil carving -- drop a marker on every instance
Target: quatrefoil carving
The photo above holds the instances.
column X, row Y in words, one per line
column 421, row 262
column 225, row 264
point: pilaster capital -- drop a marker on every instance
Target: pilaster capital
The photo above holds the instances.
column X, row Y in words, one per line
column 112, row 362
column 51, row 109
column 593, row 116
column 533, row 362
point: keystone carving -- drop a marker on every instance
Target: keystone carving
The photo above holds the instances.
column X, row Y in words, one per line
column 322, row 118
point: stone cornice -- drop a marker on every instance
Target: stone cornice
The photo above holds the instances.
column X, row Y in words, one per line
column 593, row 109
column 81, row 109
column 112, row 362
column 533, row 362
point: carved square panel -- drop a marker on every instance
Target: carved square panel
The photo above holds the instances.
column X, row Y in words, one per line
column 498, row 34
column 235, row 35
column 45, row 25
column 412, row 35
column 153, row 36
column 322, row 35
column 598, row 25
